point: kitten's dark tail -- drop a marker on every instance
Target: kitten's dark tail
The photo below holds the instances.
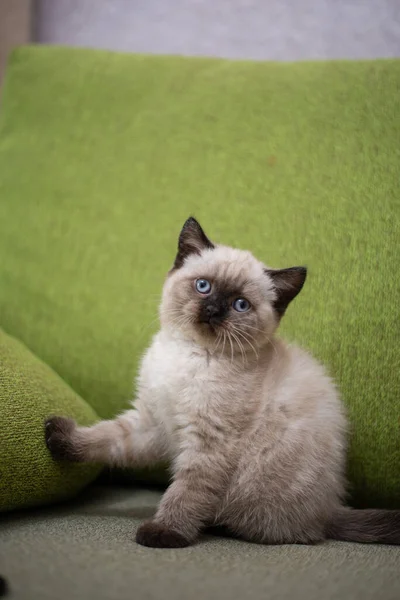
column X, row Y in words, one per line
column 370, row 526
column 3, row 586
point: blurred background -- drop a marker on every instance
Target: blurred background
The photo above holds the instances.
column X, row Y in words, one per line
column 255, row 29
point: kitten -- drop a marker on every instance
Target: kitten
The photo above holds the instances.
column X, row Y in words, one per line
column 253, row 428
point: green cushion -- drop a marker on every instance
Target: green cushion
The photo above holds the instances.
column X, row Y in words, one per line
column 29, row 392
column 102, row 158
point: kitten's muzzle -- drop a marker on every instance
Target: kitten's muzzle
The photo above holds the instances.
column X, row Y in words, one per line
column 212, row 314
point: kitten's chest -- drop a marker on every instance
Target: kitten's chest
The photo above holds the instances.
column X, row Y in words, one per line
column 178, row 367
column 181, row 380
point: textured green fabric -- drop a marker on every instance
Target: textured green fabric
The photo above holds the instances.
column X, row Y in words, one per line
column 88, row 551
column 102, row 158
column 29, row 392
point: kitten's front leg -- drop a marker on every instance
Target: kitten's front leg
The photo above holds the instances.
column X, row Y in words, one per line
column 131, row 439
column 190, row 502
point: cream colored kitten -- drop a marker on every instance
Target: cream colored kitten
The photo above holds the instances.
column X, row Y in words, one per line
column 253, row 428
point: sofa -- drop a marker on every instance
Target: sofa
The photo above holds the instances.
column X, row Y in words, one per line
column 102, row 158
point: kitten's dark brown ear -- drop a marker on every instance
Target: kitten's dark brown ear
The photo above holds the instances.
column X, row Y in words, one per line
column 192, row 240
column 288, row 283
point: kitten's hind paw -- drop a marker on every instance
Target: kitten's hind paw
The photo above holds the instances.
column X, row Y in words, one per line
column 59, row 436
column 156, row 535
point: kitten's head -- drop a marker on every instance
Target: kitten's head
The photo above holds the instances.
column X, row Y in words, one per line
column 224, row 299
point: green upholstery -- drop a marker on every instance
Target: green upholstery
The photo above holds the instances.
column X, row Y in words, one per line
column 29, row 392
column 102, row 158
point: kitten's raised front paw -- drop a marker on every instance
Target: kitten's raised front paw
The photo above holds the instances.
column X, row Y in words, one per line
column 59, row 439
column 156, row 535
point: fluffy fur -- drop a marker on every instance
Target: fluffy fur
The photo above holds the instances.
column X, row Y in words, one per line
column 253, row 428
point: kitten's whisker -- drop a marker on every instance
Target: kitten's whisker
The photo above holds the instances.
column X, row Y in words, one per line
column 147, row 325
column 216, row 344
column 174, row 311
column 269, row 340
column 145, row 328
column 185, row 318
column 247, row 340
column 180, row 321
column 231, row 343
column 223, row 346
column 241, row 348
column 255, row 328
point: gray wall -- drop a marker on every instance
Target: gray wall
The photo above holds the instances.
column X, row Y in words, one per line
column 260, row 29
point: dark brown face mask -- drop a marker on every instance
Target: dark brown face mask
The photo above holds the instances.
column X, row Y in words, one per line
column 213, row 310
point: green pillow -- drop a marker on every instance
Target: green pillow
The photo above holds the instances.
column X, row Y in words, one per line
column 102, row 158
column 29, row 392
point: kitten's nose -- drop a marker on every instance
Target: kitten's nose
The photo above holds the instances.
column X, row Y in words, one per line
column 213, row 314
column 211, row 310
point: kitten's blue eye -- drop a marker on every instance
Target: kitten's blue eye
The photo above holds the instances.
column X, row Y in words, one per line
column 241, row 305
column 203, row 286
